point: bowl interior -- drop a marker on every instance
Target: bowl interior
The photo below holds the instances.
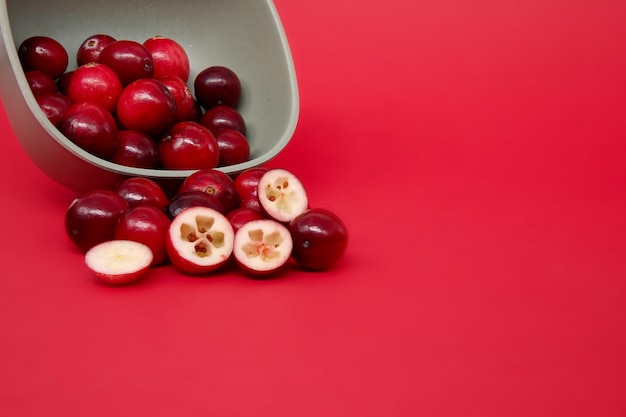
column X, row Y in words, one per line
column 245, row 35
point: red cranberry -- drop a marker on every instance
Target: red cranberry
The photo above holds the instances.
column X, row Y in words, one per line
column 53, row 105
column 217, row 85
column 45, row 54
column 63, row 81
column 90, row 126
column 40, row 82
column 146, row 105
column 169, row 57
column 247, row 182
column 89, row 50
column 185, row 102
column 97, row 83
column 223, row 117
column 242, row 215
column 130, row 60
column 188, row 145
column 147, row 225
column 187, row 199
column 142, row 191
column 234, row 147
column 135, row 149
column 91, row 218
column 214, row 182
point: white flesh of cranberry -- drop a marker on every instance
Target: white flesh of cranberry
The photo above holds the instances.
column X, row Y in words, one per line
column 282, row 195
column 202, row 236
column 119, row 261
column 262, row 246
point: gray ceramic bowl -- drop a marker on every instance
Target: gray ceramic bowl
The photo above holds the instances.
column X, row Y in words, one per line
column 245, row 35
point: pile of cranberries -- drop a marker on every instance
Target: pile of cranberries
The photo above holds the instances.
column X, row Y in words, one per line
column 259, row 220
column 131, row 103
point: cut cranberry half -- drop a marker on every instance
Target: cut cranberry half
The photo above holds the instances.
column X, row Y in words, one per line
column 118, row 262
column 282, row 195
column 262, row 247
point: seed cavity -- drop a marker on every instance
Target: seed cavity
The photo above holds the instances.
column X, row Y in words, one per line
column 204, row 223
column 202, row 249
column 262, row 246
column 188, row 233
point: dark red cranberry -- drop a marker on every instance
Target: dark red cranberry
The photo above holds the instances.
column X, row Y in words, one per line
column 63, row 82
column 187, row 199
column 234, row 147
column 40, row 82
column 96, row 83
column 90, row 126
column 53, row 105
column 242, row 215
column 223, row 117
column 43, row 53
column 217, row 85
column 129, row 59
column 188, row 145
column 214, row 182
column 135, row 149
column 89, row 50
column 142, row 191
column 146, row 105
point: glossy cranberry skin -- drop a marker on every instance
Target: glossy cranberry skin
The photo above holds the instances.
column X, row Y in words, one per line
column 214, row 182
column 43, row 53
column 135, row 149
column 188, row 145
column 169, row 57
column 320, row 238
column 40, row 82
column 185, row 102
column 90, row 49
column 187, row 199
column 142, row 191
column 234, row 147
column 247, row 181
column 147, row 225
column 91, row 218
column 129, row 59
column 53, row 105
column 242, row 215
column 146, row 105
column 63, row 81
column 223, row 117
column 90, row 126
column 95, row 82
column 217, row 85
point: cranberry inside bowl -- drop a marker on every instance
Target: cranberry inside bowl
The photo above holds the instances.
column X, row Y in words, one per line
column 245, row 36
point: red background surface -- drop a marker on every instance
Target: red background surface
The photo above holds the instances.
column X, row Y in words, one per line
column 475, row 149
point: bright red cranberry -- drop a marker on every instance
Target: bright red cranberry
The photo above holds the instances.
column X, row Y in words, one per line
column 320, row 238
column 91, row 218
column 188, row 145
column 129, row 59
column 185, row 102
column 142, row 191
column 214, row 182
column 147, row 225
column 96, row 83
column 242, row 215
column 90, row 126
column 223, row 117
column 187, row 199
column 234, row 147
column 40, row 82
column 169, row 57
column 89, row 50
column 247, row 182
column 43, row 53
column 135, row 149
column 217, row 85
column 146, row 105
column 53, row 105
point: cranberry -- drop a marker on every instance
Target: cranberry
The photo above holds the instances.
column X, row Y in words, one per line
column 147, row 225
column 169, row 57
column 234, row 147
column 89, row 50
column 97, row 83
column 129, row 59
column 217, row 85
column 223, row 117
column 185, row 102
column 242, row 215
column 247, row 182
column 63, row 81
column 135, row 149
column 213, row 182
column 91, row 218
column 319, row 237
column 53, row 105
column 188, row 145
column 142, row 191
column 90, row 126
column 146, row 105
column 40, row 82
column 187, row 199
column 43, row 53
